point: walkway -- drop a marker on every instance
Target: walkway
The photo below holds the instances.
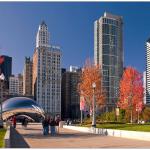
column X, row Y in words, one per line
column 74, row 139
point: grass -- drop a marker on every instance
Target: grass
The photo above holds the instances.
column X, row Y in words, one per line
column 129, row 127
column 2, row 134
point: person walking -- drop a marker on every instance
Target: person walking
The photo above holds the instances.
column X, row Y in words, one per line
column 52, row 126
column 45, row 124
column 57, row 124
column 14, row 121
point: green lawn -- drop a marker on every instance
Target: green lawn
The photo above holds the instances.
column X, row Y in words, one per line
column 130, row 127
column 2, row 134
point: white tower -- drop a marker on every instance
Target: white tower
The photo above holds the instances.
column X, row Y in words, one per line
column 46, row 79
column 42, row 38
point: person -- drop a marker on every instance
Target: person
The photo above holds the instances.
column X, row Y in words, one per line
column 52, row 126
column 45, row 124
column 57, row 124
column 14, row 121
column 23, row 122
column 26, row 122
column 67, row 122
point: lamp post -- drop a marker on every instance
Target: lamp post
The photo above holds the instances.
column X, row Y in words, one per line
column 94, row 115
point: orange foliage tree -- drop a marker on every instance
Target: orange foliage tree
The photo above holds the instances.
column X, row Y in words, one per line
column 1, row 59
column 91, row 74
column 131, row 91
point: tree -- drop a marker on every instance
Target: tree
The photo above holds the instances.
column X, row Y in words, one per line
column 1, row 59
column 91, row 73
column 131, row 91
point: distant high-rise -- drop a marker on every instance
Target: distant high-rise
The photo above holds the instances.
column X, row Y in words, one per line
column 46, row 80
column 69, row 93
column 27, row 77
column 108, row 53
column 6, row 67
column 16, row 85
column 148, row 71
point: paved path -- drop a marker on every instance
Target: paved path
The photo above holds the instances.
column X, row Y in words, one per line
column 74, row 139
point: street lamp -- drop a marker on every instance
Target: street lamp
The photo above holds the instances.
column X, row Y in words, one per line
column 94, row 115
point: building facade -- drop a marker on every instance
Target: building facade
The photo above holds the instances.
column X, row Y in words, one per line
column 108, row 53
column 6, row 67
column 144, row 86
column 27, row 77
column 148, row 71
column 70, row 96
column 46, row 80
column 16, row 85
column 20, row 79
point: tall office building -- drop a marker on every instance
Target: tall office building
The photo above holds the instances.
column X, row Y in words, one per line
column 6, row 67
column 148, row 71
column 108, row 53
column 46, row 83
column 27, row 77
column 16, row 85
column 20, row 78
column 70, row 96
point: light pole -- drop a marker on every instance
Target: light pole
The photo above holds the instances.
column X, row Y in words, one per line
column 94, row 115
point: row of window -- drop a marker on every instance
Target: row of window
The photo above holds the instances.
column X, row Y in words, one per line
column 110, row 21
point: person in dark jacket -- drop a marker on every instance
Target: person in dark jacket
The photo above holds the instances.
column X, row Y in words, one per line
column 14, row 121
column 57, row 124
column 45, row 124
column 52, row 126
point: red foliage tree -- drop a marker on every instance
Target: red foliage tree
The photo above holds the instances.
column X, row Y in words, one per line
column 91, row 73
column 1, row 59
column 131, row 91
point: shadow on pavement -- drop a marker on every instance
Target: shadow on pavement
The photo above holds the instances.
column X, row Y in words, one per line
column 60, row 135
column 17, row 141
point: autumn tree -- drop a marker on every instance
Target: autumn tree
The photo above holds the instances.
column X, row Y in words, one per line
column 1, row 59
column 91, row 74
column 131, row 91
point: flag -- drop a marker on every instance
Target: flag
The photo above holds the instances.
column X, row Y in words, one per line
column 2, row 77
column 82, row 103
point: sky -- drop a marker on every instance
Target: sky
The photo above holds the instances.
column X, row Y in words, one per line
column 71, row 26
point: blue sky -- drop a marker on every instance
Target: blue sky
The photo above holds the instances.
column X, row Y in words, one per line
column 71, row 27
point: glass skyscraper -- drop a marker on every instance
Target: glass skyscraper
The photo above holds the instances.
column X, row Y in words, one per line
column 148, row 71
column 108, row 53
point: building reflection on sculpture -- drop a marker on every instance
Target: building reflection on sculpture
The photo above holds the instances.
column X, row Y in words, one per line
column 22, row 106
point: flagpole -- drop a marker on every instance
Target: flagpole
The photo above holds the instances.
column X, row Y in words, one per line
column 81, row 116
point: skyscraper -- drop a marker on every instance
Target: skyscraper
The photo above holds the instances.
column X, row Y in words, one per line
column 108, row 53
column 16, row 85
column 148, row 71
column 46, row 80
column 27, row 77
column 6, row 67
column 70, row 95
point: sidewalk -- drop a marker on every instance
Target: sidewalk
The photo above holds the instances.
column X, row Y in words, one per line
column 74, row 139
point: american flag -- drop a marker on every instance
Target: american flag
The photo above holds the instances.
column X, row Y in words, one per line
column 82, row 103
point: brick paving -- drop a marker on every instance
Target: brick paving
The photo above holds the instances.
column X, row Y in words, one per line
column 74, row 139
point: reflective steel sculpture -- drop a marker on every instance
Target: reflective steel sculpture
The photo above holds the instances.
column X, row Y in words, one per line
column 22, row 106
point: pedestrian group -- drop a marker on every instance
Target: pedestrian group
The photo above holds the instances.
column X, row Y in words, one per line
column 50, row 125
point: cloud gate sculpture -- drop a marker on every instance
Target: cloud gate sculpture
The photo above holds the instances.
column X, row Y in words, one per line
column 22, row 106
